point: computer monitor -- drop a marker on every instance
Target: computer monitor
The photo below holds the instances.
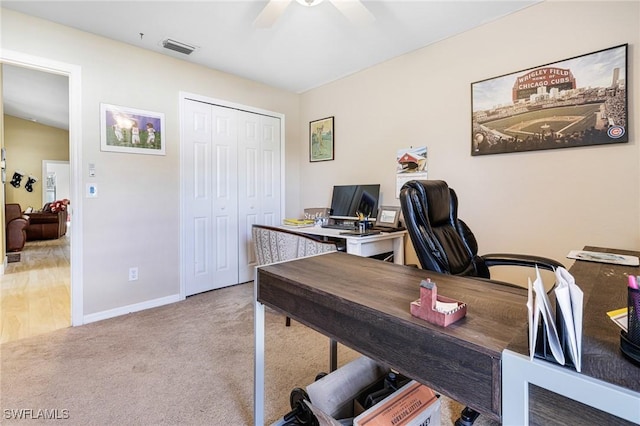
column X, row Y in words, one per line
column 348, row 200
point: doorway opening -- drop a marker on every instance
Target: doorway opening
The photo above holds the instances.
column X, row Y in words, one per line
column 74, row 315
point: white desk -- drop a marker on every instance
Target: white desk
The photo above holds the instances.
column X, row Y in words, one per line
column 518, row 371
column 607, row 386
column 361, row 246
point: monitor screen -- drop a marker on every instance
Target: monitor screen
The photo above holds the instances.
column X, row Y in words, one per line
column 348, row 200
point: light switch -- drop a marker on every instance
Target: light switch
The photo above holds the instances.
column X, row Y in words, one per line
column 92, row 190
column 92, row 170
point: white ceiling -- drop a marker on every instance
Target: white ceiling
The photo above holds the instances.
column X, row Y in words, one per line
column 305, row 48
column 36, row 96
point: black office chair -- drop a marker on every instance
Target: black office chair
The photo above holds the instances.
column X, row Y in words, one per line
column 445, row 244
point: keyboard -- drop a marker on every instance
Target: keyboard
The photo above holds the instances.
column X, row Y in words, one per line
column 360, row 234
column 385, row 229
column 344, row 227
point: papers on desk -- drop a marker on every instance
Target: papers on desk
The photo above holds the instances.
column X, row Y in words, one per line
column 596, row 256
column 298, row 223
column 620, row 317
column 560, row 333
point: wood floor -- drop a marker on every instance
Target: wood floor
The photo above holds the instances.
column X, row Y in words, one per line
column 36, row 291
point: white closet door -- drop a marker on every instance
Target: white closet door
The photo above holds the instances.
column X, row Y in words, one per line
column 258, row 182
column 231, row 181
column 225, row 196
column 210, row 197
column 197, row 198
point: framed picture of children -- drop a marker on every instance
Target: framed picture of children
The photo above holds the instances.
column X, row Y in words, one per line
column 131, row 130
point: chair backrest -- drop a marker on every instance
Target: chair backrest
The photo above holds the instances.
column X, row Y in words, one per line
column 277, row 245
column 442, row 242
column 11, row 211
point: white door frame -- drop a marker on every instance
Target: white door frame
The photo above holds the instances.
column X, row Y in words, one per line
column 46, row 163
column 192, row 96
column 73, row 72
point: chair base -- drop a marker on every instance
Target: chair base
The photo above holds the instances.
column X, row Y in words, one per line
column 467, row 417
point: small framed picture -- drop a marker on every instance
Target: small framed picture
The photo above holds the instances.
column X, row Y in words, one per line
column 130, row 130
column 321, row 139
column 388, row 217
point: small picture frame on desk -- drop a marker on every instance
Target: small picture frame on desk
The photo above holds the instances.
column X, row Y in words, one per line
column 388, row 217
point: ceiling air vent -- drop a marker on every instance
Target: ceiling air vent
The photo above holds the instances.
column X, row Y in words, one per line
column 178, row 47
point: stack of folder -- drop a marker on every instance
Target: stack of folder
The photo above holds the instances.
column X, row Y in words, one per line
column 298, row 222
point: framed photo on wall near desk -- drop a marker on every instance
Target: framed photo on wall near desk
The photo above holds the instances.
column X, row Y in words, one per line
column 321, row 139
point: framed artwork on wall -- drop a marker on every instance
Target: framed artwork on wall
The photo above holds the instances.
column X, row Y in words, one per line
column 581, row 101
column 321, row 139
column 131, row 130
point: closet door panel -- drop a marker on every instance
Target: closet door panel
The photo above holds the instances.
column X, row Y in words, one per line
column 271, row 173
column 198, row 266
column 248, row 190
column 225, row 197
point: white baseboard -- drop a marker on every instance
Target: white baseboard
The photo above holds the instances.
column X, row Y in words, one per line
column 111, row 313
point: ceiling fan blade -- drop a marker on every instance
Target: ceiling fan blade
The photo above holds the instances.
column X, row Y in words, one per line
column 355, row 11
column 270, row 13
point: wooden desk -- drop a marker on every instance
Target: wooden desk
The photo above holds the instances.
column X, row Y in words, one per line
column 608, row 381
column 361, row 246
column 364, row 304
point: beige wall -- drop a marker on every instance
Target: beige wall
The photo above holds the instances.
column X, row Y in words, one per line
column 135, row 221
column 544, row 202
column 27, row 144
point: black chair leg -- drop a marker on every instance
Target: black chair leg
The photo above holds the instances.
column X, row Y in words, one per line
column 467, row 417
column 287, row 322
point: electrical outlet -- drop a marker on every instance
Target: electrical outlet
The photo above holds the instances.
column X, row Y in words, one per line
column 133, row 274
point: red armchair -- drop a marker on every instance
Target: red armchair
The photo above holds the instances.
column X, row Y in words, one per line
column 15, row 226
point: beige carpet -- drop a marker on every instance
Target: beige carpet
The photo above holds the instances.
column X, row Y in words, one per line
column 186, row 363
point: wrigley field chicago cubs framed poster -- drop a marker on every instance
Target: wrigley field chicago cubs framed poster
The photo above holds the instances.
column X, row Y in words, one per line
column 581, row 101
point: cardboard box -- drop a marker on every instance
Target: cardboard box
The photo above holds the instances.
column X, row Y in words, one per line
column 412, row 405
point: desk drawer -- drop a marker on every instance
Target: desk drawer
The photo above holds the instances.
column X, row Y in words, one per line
column 368, row 249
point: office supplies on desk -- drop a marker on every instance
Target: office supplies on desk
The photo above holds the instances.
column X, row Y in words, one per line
column 349, row 226
column 630, row 339
column 595, row 256
column 386, row 229
column 436, row 309
column 633, row 282
column 556, row 338
column 620, row 318
column 298, row 222
column 317, row 213
column 360, row 233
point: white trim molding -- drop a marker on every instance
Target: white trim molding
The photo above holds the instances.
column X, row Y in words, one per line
column 74, row 73
column 136, row 307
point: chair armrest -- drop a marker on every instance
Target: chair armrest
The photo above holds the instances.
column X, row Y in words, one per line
column 509, row 259
column 18, row 223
